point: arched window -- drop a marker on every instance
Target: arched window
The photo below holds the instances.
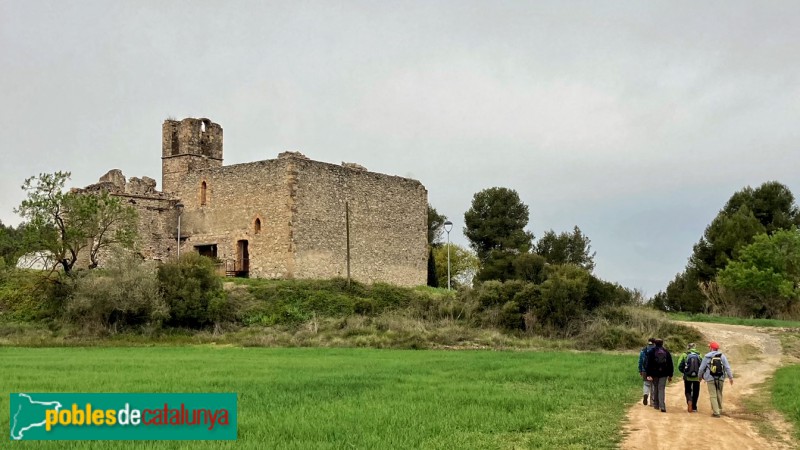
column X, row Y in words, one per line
column 203, row 193
column 257, row 225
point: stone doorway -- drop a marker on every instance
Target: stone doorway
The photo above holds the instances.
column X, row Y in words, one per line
column 242, row 258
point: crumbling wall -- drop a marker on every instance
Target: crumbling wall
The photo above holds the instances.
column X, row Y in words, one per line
column 188, row 145
column 156, row 214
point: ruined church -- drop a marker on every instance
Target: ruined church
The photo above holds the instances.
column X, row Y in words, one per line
column 289, row 217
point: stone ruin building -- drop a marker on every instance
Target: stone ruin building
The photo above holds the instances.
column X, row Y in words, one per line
column 287, row 217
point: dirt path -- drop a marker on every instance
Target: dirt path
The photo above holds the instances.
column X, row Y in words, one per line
column 754, row 356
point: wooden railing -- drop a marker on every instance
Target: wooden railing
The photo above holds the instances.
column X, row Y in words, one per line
column 234, row 267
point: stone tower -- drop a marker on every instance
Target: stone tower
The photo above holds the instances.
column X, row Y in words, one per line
column 187, row 145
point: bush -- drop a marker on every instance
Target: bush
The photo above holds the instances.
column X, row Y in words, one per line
column 490, row 293
column 291, row 302
column 27, row 295
column 562, row 296
column 629, row 327
column 124, row 295
column 192, row 290
column 600, row 293
column 603, row 335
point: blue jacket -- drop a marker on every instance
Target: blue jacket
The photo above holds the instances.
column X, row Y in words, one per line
column 705, row 366
column 643, row 357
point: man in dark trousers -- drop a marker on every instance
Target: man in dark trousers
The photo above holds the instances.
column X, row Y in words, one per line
column 659, row 369
column 689, row 366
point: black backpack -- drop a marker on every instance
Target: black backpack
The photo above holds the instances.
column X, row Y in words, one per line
column 691, row 366
column 660, row 357
column 716, row 368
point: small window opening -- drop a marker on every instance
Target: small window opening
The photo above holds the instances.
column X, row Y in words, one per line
column 174, row 142
column 202, row 127
column 209, row 250
column 203, row 193
column 257, row 226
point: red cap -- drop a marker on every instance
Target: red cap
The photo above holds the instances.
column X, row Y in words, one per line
column 713, row 345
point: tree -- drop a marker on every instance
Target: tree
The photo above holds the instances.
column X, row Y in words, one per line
column 682, row 294
column 772, row 204
column 110, row 223
column 727, row 233
column 766, row 275
column 68, row 223
column 495, row 224
column 11, row 243
column 567, row 248
column 749, row 212
column 435, row 223
column 433, row 279
column 463, row 265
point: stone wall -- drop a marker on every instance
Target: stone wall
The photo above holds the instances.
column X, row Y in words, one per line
column 300, row 205
column 236, row 197
column 188, row 145
column 388, row 224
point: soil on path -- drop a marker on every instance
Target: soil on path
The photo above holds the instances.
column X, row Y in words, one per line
column 754, row 355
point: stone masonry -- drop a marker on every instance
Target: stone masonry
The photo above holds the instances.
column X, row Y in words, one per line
column 279, row 218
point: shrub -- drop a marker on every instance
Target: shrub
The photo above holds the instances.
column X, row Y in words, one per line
column 562, row 298
column 601, row 334
column 628, row 327
column 530, row 267
column 192, row 290
column 600, row 293
column 124, row 295
column 490, row 293
column 30, row 294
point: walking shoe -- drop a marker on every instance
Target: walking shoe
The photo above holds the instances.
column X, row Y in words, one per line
column 663, row 409
column 717, row 416
column 644, row 399
column 689, row 407
column 694, row 410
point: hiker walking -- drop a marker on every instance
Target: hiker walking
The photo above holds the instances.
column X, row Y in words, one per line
column 642, row 359
column 689, row 366
column 659, row 370
column 714, row 369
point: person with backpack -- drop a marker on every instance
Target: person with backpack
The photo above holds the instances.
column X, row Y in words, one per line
column 646, row 389
column 713, row 369
column 659, row 370
column 689, row 366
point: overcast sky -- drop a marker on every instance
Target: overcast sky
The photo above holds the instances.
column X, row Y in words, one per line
column 634, row 120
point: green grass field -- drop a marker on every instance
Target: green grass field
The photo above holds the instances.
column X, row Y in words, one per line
column 355, row 398
column 734, row 320
column 786, row 385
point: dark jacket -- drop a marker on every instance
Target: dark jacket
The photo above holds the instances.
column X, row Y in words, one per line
column 643, row 357
column 651, row 367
